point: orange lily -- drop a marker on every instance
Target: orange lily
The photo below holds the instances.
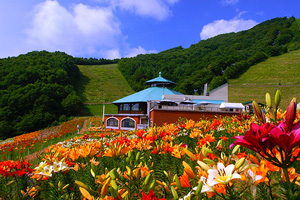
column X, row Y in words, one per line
column 188, row 170
column 184, row 180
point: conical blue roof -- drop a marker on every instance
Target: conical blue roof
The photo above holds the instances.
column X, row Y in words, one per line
column 152, row 93
column 160, row 80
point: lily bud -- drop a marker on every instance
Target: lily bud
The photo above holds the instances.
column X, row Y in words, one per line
column 259, row 113
column 199, row 188
column 207, row 150
column 187, row 168
column 152, row 184
column 268, row 100
column 223, row 156
column 129, row 154
column 209, row 161
column 174, row 193
column 104, row 189
column 240, row 163
column 85, row 193
column 177, row 181
column 290, row 114
column 80, row 184
column 203, row 165
column 93, row 173
column 235, row 149
column 166, row 173
column 147, row 179
column 128, row 171
column 190, row 154
column 137, row 157
column 277, row 98
column 65, row 187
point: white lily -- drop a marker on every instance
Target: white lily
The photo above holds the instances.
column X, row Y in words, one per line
column 221, row 175
column 60, row 166
column 252, row 178
column 46, row 171
column 41, row 166
column 205, row 188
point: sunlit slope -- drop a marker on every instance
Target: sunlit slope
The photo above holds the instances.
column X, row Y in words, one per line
column 282, row 72
column 102, row 84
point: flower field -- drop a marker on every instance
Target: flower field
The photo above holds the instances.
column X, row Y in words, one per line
column 32, row 142
column 245, row 157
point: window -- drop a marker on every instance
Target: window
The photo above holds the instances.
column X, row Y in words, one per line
column 112, row 122
column 135, row 107
column 128, row 123
column 126, row 107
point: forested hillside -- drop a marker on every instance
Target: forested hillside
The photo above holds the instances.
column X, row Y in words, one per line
column 36, row 89
column 214, row 60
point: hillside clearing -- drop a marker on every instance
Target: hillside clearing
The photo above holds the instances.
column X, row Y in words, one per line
column 102, row 84
column 281, row 72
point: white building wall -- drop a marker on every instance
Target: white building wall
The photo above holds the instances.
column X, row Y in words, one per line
column 220, row 93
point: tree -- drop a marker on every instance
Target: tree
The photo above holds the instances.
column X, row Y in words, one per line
column 72, row 104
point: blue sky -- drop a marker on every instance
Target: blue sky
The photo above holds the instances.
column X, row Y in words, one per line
column 124, row 28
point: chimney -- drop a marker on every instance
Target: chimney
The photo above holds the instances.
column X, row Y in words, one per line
column 205, row 89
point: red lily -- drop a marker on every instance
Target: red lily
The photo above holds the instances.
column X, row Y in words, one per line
column 151, row 196
column 285, row 139
column 257, row 138
column 287, row 134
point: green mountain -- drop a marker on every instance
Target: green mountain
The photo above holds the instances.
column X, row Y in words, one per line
column 37, row 89
column 215, row 60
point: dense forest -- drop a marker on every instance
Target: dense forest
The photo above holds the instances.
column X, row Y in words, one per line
column 214, row 60
column 94, row 61
column 37, row 90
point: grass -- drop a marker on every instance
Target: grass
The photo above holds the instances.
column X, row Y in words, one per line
column 97, row 109
column 102, row 84
column 281, row 72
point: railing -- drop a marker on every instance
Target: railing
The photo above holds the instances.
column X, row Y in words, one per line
column 191, row 108
column 142, row 126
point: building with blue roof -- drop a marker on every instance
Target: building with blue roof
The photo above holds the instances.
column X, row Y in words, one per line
column 160, row 104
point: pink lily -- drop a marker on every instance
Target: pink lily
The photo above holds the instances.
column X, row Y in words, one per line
column 287, row 134
column 286, row 140
column 257, row 138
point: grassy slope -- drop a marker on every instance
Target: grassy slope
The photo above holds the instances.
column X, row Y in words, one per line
column 102, row 84
column 282, row 72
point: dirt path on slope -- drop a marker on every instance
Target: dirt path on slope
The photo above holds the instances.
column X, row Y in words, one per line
column 84, row 127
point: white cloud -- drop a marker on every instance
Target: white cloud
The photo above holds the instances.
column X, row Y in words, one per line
column 136, row 51
column 232, row 2
column 112, row 54
column 158, row 9
column 223, row 26
column 83, row 30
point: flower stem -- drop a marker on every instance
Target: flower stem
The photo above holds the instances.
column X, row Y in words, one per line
column 269, row 185
column 18, row 190
column 290, row 186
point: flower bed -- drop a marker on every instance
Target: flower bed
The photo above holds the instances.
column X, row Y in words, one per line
column 26, row 144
